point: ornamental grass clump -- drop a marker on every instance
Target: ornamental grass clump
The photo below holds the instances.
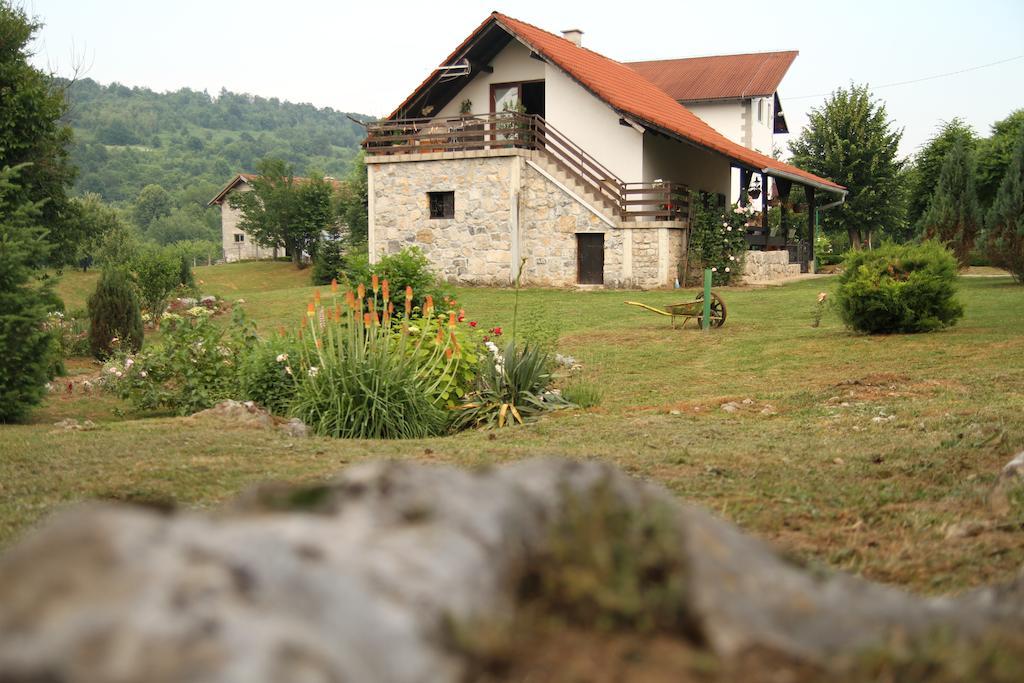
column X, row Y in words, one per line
column 365, row 373
column 513, row 385
column 899, row 288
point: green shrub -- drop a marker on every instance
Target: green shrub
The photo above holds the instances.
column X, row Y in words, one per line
column 410, row 268
column 512, row 386
column 158, row 273
column 114, row 318
column 194, row 366
column 365, row 375
column 899, row 288
column 583, row 394
column 717, row 238
column 328, row 262
column 70, row 332
column 262, row 374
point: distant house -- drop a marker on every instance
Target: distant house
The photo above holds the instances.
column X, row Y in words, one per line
column 523, row 146
column 238, row 245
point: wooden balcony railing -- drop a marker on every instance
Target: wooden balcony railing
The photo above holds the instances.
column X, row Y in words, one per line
column 505, row 130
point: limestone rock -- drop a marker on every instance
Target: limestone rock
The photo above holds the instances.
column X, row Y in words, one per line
column 248, row 415
column 362, row 579
column 1011, row 477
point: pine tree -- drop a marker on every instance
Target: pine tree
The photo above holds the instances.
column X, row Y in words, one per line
column 27, row 351
column 114, row 315
column 1004, row 236
column 953, row 216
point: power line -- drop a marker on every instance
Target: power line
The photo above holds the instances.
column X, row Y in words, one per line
column 918, row 80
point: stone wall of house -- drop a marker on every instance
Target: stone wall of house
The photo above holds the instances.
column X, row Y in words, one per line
column 474, row 246
column 233, row 250
column 764, row 266
column 507, row 210
column 549, row 220
column 646, row 257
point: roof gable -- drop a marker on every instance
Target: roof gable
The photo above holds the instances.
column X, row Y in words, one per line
column 245, row 178
column 721, row 77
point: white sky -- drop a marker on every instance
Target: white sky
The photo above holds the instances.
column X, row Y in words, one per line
column 367, row 56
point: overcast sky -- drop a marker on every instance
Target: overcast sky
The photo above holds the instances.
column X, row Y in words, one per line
column 367, row 56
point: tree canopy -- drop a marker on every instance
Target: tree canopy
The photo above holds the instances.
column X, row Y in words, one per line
column 1004, row 235
column 32, row 132
column 851, row 140
column 953, row 215
column 928, row 164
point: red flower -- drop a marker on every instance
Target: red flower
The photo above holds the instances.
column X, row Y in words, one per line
column 496, row 331
column 472, row 323
column 487, row 337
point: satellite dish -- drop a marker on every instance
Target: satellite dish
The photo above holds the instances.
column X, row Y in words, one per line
column 450, row 72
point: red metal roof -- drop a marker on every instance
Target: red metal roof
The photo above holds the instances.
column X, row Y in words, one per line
column 630, row 93
column 723, row 77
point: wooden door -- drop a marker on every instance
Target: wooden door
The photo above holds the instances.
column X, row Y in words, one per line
column 590, row 258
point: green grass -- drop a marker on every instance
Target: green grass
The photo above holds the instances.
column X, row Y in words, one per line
column 825, row 480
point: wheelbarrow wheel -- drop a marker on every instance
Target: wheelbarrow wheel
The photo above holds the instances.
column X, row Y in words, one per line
column 717, row 311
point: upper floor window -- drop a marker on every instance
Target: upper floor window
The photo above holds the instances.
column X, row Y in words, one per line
column 760, row 110
column 239, row 237
column 442, row 204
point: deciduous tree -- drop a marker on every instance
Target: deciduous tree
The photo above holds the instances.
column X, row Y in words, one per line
column 851, row 140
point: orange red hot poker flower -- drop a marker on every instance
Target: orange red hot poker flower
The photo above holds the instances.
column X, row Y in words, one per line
column 375, row 283
column 385, row 290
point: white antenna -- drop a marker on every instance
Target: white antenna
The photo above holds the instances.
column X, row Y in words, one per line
column 453, row 71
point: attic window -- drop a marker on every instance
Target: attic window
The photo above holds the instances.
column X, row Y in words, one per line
column 442, row 204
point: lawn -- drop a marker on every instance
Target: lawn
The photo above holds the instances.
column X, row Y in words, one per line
column 853, row 452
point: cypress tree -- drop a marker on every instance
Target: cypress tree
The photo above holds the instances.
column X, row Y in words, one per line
column 1004, row 237
column 953, row 216
column 114, row 314
column 27, row 351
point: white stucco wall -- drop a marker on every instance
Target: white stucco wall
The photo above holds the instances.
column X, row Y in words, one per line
column 577, row 114
column 728, row 117
column 679, row 162
column 512, row 64
column 594, row 126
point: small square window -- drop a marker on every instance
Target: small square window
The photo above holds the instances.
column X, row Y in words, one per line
column 239, row 237
column 442, row 204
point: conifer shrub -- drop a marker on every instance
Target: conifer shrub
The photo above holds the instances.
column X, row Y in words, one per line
column 328, row 263
column 899, row 288
column 114, row 318
column 1004, row 234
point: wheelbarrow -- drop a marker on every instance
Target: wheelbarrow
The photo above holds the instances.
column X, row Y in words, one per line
column 690, row 309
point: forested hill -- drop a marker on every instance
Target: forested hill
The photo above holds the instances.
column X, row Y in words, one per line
column 191, row 143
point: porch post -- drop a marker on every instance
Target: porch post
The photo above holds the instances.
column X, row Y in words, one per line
column 744, row 184
column 809, row 191
column 764, row 203
column 784, row 187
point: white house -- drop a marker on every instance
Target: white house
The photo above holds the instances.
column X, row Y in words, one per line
column 237, row 244
column 737, row 95
column 523, row 146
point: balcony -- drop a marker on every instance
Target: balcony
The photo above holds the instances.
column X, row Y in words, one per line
column 657, row 201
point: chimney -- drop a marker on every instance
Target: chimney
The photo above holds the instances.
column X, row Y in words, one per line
column 574, row 36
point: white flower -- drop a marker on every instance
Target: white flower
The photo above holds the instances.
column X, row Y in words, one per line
column 729, row 228
column 313, row 371
column 288, row 369
column 282, row 357
column 112, row 370
column 732, row 258
column 128, row 362
column 118, row 374
column 143, row 374
column 714, row 270
column 726, row 225
column 727, row 269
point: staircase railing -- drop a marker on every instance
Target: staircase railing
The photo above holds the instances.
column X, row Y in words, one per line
column 506, row 130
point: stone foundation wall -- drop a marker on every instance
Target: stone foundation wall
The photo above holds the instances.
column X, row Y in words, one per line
column 763, row 266
column 474, row 247
column 550, row 219
column 507, row 210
